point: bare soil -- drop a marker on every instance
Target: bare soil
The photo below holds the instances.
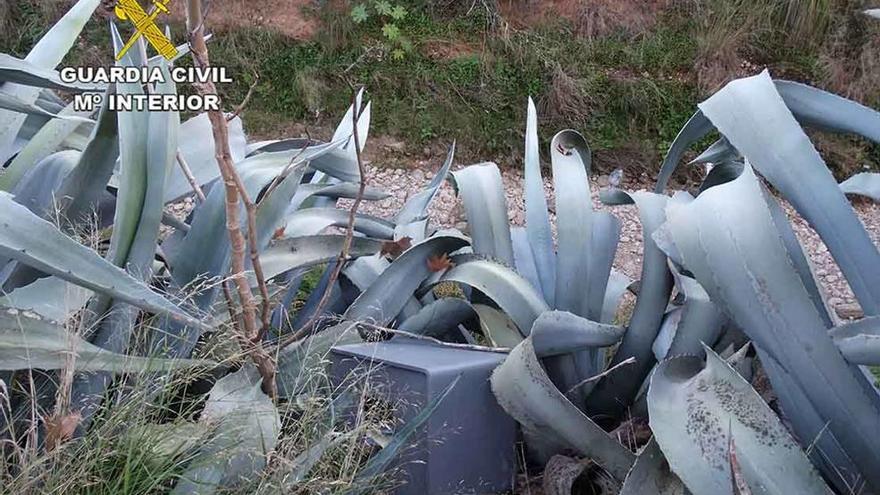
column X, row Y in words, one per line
column 292, row 18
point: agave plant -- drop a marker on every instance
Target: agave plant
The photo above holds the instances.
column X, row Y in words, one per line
column 737, row 267
column 148, row 299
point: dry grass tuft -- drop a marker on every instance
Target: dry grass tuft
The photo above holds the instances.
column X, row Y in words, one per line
column 566, row 100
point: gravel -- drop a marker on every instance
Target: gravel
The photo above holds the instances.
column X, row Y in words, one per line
column 447, row 211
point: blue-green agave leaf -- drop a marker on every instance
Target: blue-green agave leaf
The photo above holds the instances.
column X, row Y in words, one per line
column 482, row 191
column 703, row 408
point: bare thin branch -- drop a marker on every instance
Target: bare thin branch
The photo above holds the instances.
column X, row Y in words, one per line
column 307, row 328
column 187, row 172
column 247, row 98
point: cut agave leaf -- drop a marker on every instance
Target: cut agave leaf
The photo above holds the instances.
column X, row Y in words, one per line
column 560, row 332
column 37, row 243
column 863, row 184
column 482, row 190
column 859, row 342
column 246, row 426
column 574, row 222
column 752, row 114
column 50, row 297
column 524, row 390
column 762, row 291
column 28, row 342
column 697, row 408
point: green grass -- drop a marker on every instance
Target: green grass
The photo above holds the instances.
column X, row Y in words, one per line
column 623, row 91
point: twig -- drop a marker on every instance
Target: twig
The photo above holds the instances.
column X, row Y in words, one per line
column 284, row 173
column 234, row 190
column 187, row 172
column 607, row 372
column 349, row 235
column 470, row 347
column 247, row 98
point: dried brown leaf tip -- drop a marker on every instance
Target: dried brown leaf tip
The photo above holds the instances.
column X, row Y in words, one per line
column 439, row 263
column 60, row 428
column 393, row 249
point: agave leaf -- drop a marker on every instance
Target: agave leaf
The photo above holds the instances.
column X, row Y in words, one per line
column 87, row 182
column 863, row 184
column 333, row 191
column 720, row 151
column 197, row 149
column 537, row 216
column 561, row 332
column 46, row 54
column 50, row 297
column 524, row 390
column 614, row 392
column 823, row 110
column 440, row 319
column 416, row 207
column 37, row 243
column 299, row 252
column 512, row 293
column 523, row 258
column 498, row 327
column 247, row 426
column 17, row 105
column 569, row 346
column 617, row 286
column 758, row 286
column 574, row 220
column 697, row 127
column 753, row 116
column 721, row 173
column 27, row 342
column 810, row 106
column 699, row 409
column 482, row 190
column 387, row 296
column 826, row 451
column 188, row 258
column 307, row 460
column 700, row 321
column 380, row 461
column 651, row 474
column 859, row 342
column 875, row 13
column 48, row 139
column 18, row 71
column 311, row 221
column 37, row 188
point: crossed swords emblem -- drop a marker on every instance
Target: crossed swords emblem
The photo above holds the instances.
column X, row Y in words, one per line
column 145, row 25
